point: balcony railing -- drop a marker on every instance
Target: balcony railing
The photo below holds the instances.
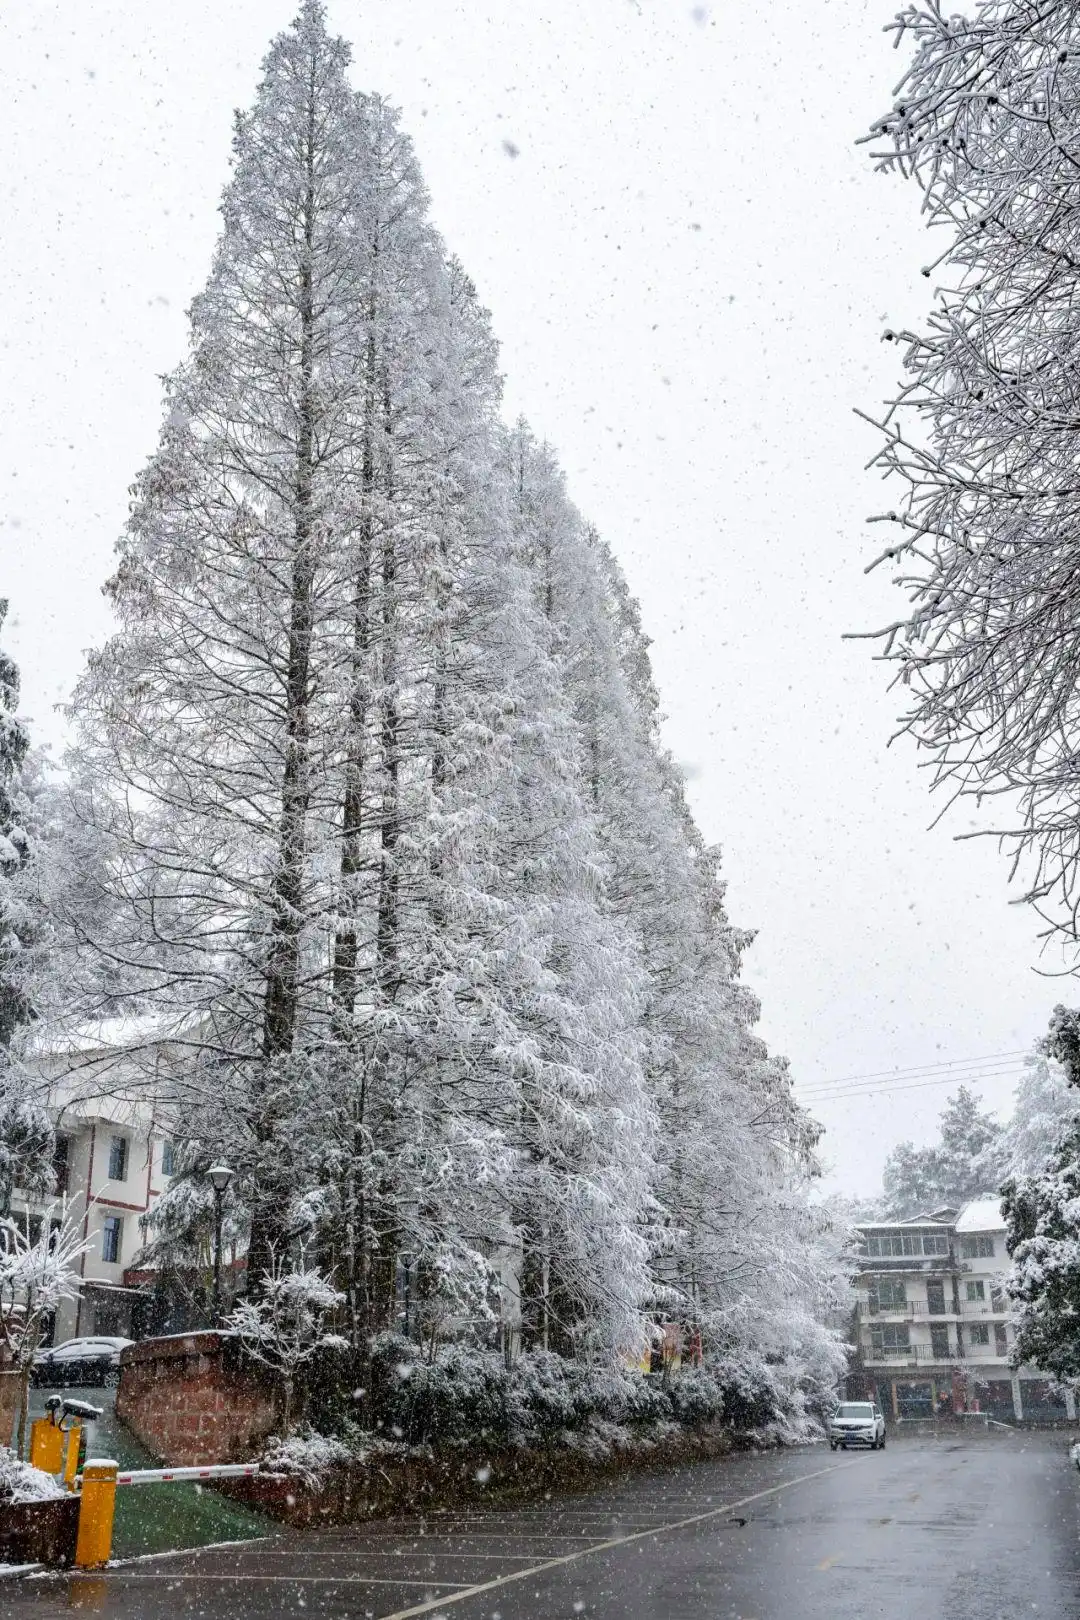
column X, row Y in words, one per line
column 921, row 1310
column 925, row 1354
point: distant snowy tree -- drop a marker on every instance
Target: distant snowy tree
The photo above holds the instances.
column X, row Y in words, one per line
column 966, row 1160
column 981, row 435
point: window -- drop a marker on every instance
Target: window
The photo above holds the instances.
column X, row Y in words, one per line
column 997, row 1297
column 939, row 1343
column 112, row 1230
column 168, row 1159
column 979, row 1333
column 975, row 1290
column 891, row 1339
column 118, row 1158
column 891, row 1294
column 976, row 1246
column 1001, row 1343
column 893, row 1245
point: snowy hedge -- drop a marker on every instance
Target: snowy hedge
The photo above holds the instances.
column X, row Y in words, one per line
column 468, row 1393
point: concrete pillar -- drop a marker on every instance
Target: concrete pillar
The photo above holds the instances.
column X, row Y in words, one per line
column 1070, row 1406
column 1018, row 1405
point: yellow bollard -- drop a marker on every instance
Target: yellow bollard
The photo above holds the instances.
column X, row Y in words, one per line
column 46, row 1446
column 71, row 1454
column 97, row 1505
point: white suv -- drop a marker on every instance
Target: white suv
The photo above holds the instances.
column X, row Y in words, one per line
column 857, row 1423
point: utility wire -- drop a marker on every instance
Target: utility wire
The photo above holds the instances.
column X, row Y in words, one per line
column 926, row 1068
column 956, row 1076
column 886, row 1091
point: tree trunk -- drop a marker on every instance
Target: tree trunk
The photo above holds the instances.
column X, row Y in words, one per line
column 287, row 894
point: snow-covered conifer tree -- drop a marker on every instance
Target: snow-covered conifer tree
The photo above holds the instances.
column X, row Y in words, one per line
column 26, row 1137
column 210, row 719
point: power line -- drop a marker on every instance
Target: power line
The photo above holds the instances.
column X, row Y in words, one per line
column 885, row 1091
column 926, row 1068
column 955, row 1077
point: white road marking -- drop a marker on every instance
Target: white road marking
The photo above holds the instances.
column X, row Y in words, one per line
column 298, row 1580
column 606, row 1546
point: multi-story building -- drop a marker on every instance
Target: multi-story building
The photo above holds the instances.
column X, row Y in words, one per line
column 932, row 1326
column 113, row 1159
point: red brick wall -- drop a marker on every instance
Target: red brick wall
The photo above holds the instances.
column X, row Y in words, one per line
column 191, row 1399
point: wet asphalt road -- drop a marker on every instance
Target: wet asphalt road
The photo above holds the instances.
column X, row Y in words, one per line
column 976, row 1527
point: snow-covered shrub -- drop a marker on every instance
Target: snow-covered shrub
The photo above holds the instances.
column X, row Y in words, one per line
column 696, row 1397
column 460, row 1394
column 284, row 1325
column 750, row 1393
column 307, row 1455
column 543, row 1395
column 21, row 1483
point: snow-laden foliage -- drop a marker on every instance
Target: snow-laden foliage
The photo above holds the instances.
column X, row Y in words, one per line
column 1045, row 1105
column 981, row 437
column 283, row 1324
column 466, row 1393
column 19, row 1482
column 26, row 1136
column 305, row 1455
column 968, row 1159
column 1041, row 1203
column 375, row 831
column 38, row 1270
column 1043, row 1215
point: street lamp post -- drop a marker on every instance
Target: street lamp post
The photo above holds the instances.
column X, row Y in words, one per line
column 219, row 1176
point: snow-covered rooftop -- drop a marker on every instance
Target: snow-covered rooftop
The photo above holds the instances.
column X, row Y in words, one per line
column 982, row 1215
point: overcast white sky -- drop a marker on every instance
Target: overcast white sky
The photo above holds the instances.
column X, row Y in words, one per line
column 690, row 266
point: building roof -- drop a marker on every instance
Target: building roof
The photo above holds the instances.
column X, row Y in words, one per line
column 981, row 1215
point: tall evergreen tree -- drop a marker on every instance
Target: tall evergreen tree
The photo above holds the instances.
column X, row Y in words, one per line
column 26, row 1136
column 211, row 715
column 381, row 834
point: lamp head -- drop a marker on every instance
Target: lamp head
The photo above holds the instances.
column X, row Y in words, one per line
column 220, row 1175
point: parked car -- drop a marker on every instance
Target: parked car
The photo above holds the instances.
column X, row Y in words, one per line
column 857, row 1423
column 92, row 1361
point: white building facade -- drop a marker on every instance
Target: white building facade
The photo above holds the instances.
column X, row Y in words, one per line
column 113, row 1160
column 933, row 1335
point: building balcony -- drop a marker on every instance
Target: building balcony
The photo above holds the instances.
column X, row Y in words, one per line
column 921, row 1310
column 972, row 1356
column 913, row 1354
column 913, row 1264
